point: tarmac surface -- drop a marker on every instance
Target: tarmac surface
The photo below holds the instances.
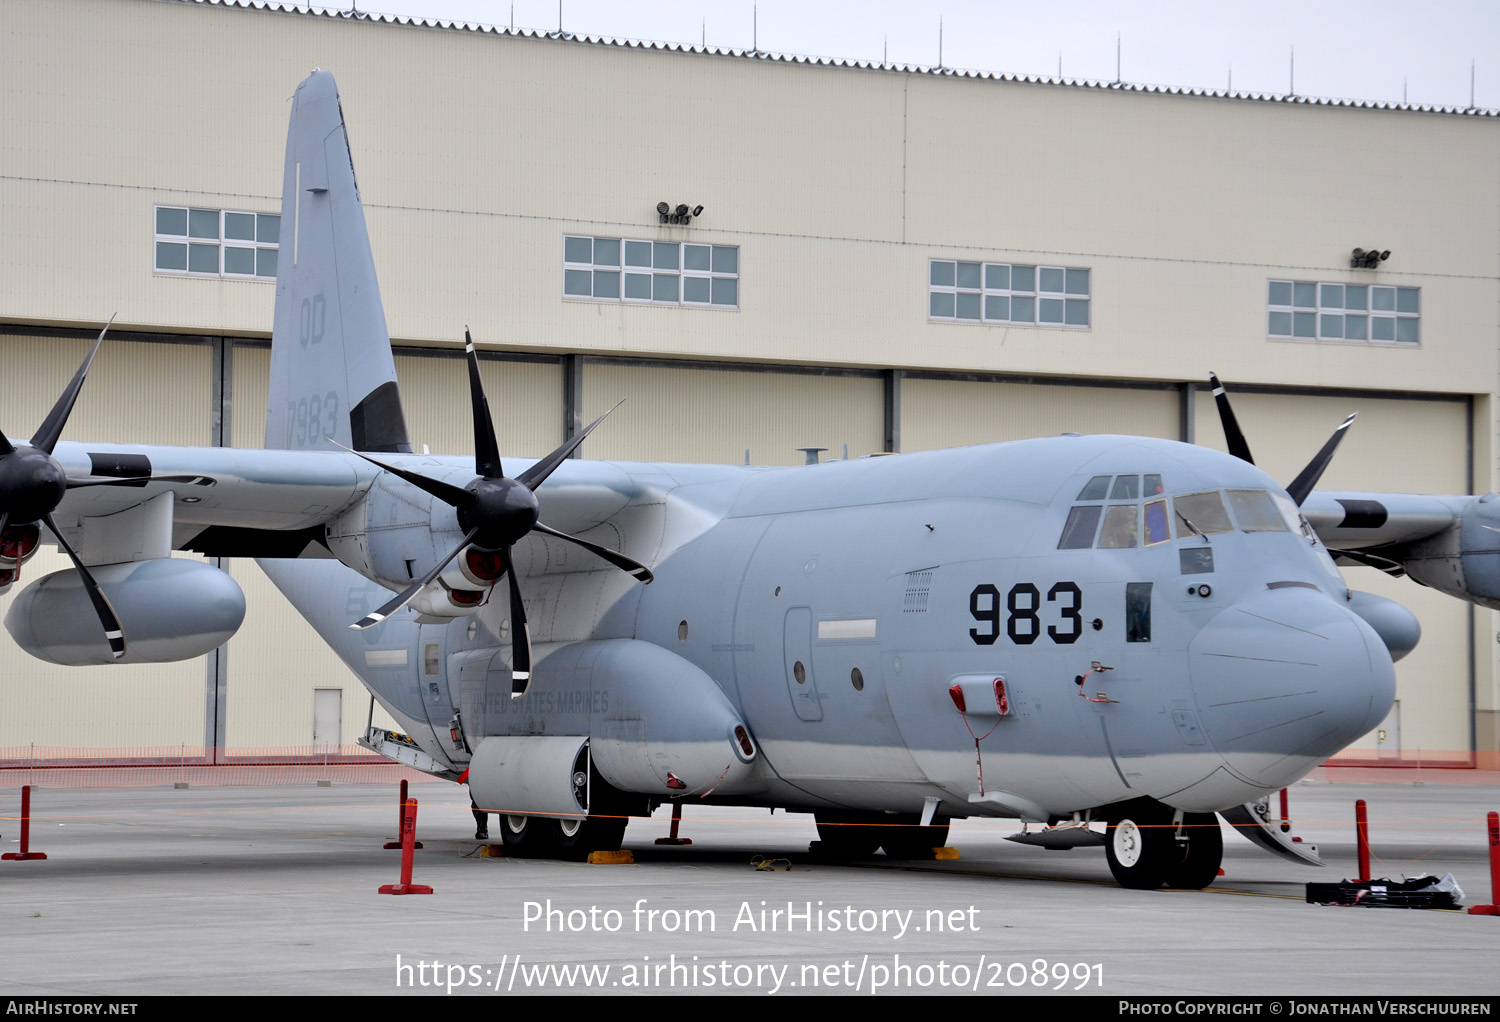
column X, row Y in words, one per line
column 273, row 890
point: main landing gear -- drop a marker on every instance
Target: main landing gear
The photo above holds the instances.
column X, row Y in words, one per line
column 1150, row 845
column 550, row 837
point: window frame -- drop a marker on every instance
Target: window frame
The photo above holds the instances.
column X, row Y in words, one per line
column 655, row 273
column 986, row 291
column 1334, row 303
column 220, row 243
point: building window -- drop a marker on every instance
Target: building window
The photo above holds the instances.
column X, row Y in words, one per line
column 1008, row 293
column 654, row 272
column 1344, row 312
column 216, row 242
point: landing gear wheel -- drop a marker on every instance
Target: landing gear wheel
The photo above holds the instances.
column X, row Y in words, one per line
column 905, row 838
column 1141, row 847
column 1200, row 855
column 848, row 835
column 575, row 840
column 524, row 836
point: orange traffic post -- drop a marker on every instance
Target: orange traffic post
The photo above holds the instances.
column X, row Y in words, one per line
column 408, row 842
column 25, row 852
column 400, row 816
column 1492, row 909
column 1362, row 839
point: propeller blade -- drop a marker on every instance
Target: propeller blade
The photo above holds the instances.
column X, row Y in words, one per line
column 405, row 596
column 52, row 426
column 1300, row 487
column 446, row 492
column 619, row 560
column 76, row 481
column 520, row 635
column 1385, row 564
column 538, row 473
column 5, row 446
column 112, row 630
column 486, row 449
column 1233, row 435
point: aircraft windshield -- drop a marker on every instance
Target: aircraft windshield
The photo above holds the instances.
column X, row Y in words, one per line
column 1092, row 523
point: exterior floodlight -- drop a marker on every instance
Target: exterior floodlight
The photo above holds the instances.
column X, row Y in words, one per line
column 1385, row 255
column 681, row 209
column 662, row 207
column 698, row 210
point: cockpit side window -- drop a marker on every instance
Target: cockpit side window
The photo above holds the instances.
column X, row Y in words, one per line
column 1078, row 531
column 1158, row 526
column 1120, row 529
column 1153, row 487
column 1096, row 488
column 1256, row 512
column 1202, row 513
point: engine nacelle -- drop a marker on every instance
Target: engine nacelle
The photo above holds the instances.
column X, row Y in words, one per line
column 169, row 609
column 1464, row 559
column 656, row 723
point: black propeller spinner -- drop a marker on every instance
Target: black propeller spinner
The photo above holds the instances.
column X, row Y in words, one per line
column 495, row 512
column 1298, row 488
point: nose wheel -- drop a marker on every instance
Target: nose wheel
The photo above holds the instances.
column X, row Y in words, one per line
column 1149, row 845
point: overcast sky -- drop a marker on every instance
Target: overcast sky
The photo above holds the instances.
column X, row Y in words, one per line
column 1353, row 49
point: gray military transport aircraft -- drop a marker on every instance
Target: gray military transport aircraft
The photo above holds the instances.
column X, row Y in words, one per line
column 1076, row 630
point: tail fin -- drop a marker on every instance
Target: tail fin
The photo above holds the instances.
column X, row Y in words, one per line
column 332, row 373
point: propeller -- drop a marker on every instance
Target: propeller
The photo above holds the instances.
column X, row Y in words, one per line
column 32, row 484
column 495, row 512
column 1298, row 488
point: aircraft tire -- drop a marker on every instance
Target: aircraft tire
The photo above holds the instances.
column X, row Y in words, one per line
column 523, row 836
column 912, row 841
column 1201, row 853
column 1140, row 846
column 844, row 835
column 575, row 840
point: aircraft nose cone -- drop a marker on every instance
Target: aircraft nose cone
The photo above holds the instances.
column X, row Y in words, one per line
column 1286, row 678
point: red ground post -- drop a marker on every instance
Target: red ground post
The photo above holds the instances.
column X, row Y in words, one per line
column 1492, row 909
column 673, row 839
column 1362, row 839
column 25, row 852
column 408, row 839
column 400, row 816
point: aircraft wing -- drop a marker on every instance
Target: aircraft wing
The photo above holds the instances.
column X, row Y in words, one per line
column 1451, row 543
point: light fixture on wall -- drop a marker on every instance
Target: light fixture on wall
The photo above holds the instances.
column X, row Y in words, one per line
column 1367, row 260
column 682, row 214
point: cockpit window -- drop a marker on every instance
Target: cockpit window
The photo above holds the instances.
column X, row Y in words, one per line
column 1256, row 512
column 1153, row 487
column 1197, row 513
column 1158, row 527
column 1126, row 488
column 1096, row 488
column 1120, row 528
column 1083, row 522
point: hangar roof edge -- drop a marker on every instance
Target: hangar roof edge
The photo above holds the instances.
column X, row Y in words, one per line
column 304, row 10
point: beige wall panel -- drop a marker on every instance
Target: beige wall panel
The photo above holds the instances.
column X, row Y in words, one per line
column 1393, row 447
column 953, row 413
column 712, row 416
column 276, row 660
column 838, row 185
column 1172, row 177
column 137, row 392
column 526, row 404
column 249, row 385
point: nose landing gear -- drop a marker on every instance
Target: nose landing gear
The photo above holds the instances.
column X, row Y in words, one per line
column 1150, row 845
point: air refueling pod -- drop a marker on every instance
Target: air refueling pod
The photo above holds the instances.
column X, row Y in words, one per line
column 169, row 609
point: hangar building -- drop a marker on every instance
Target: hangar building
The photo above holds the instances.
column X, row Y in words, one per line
column 887, row 258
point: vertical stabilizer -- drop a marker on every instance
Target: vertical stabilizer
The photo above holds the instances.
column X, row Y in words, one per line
column 332, row 374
